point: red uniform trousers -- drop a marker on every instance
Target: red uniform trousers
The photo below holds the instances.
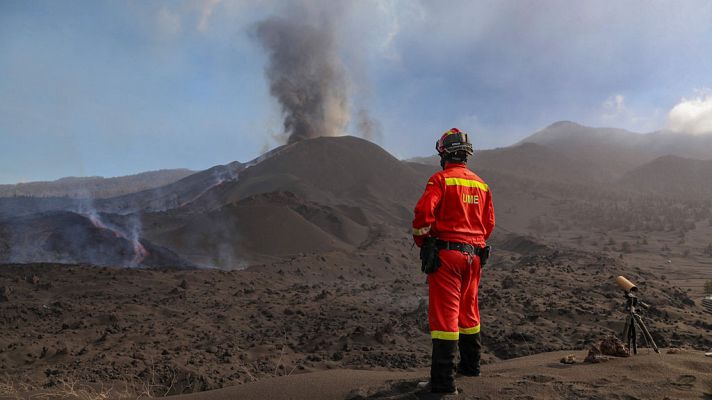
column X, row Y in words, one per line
column 453, row 308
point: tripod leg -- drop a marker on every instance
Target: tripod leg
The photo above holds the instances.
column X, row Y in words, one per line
column 626, row 332
column 646, row 333
column 634, row 336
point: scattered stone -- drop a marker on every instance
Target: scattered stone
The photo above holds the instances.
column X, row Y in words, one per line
column 507, row 283
column 708, row 354
column 609, row 346
column 5, row 294
column 596, row 359
column 612, row 346
column 593, row 353
column 34, row 279
column 183, row 284
column 568, row 359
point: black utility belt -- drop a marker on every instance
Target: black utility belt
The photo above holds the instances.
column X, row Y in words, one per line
column 463, row 247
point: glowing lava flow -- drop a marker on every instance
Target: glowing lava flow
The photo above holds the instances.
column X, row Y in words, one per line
column 99, row 224
column 140, row 252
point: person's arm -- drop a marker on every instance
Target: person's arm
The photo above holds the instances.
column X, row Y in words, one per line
column 488, row 215
column 425, row 209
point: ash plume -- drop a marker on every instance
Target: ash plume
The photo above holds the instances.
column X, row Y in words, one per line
column 368, row 127
column 305, row 72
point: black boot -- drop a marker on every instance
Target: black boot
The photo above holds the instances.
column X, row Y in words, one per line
column 470, row 353
column 442, row 371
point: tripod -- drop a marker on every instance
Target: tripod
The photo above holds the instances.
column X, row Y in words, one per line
column 634, row 322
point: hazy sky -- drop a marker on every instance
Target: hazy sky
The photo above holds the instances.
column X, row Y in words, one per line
column 117, row 87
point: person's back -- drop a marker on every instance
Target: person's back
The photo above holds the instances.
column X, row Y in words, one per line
column 464, row 211
column 453, row 220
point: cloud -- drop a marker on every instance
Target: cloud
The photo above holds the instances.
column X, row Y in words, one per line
column 206, row 11
column 390, row 19
column 693, row 115
column 168, row 22
column 613, row 107
column 616, row 111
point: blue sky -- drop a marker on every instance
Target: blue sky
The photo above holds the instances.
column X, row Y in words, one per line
column 117, row 87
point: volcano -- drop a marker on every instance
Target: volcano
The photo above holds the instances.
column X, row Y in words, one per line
column 316, row 195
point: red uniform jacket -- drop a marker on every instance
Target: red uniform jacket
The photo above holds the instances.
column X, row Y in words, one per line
column 456, row 207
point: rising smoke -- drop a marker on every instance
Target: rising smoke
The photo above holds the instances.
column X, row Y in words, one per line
column 369, row 128
column 306, row 73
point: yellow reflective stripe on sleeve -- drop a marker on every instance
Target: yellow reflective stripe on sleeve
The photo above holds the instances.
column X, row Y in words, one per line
column 430, row 183
column 467, row 183
column 421, row 231
column 445, row 335
column 470, row 331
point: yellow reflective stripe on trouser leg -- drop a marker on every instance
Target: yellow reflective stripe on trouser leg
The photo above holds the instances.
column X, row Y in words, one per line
column 421, row 231
column 470, row 331
column 445, row 335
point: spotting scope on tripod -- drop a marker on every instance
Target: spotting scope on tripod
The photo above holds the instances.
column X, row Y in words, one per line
column 634, row 322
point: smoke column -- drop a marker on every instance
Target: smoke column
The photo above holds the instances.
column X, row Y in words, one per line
column 368, row 127
column 305, row 72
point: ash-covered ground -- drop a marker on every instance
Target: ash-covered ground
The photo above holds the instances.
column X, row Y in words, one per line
column 194, row 330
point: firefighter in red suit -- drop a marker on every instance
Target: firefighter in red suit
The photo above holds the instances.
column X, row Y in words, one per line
column 455, row 216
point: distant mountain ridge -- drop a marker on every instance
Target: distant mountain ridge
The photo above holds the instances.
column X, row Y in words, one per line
column 95, row 186
column 569, row 152
column 676, row 176
column 613, row 152
column 345, row 193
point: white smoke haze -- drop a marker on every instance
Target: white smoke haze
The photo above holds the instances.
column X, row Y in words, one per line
column 692, row 116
